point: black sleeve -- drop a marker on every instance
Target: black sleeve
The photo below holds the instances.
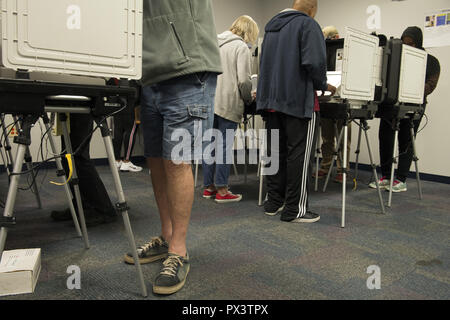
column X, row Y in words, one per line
column 314, row 55
column 433, row 74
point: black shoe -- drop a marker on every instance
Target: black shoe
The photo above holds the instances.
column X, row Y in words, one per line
column 98, row 219
column 63, row 215
column 173, row 275
column 92, row 219
column 271, row 209
column 309, row 217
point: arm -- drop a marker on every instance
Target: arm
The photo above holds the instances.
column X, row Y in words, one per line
column 244, row 73
column 313, row 54
column 433, row 74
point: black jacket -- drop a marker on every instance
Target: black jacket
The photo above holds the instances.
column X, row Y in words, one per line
column 293, row 65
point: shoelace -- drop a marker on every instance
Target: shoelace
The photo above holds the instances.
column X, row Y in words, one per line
column 170, row 266
column 153, row 243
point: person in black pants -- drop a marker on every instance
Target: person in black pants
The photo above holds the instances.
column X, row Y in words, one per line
column 411, row 36
column 126, row 125
column 293, row 66
column 97, row 206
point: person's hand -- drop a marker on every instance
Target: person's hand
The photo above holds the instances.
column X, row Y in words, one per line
column 254, row 95
column 331, row 89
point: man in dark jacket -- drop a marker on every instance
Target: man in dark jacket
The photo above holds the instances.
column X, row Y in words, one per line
column 411, row 36
column 293, row 67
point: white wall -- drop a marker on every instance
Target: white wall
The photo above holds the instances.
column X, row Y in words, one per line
column 395, row 17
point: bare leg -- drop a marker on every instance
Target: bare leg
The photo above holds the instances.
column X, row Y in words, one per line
column 159, row 181
column 173, row 186
column 180, row 197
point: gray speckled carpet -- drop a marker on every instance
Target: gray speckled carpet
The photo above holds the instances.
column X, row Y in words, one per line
column 238, row 253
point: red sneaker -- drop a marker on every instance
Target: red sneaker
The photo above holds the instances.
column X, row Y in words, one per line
column 339, row 178
column 229, row 197
column 321, row 174
column 208, row 194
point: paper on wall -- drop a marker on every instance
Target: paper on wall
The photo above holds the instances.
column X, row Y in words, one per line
column 437, row 28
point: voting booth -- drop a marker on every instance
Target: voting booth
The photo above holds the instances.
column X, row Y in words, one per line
column 373, row 79
column 354, row 66
column 404, row 94
column 100, row 39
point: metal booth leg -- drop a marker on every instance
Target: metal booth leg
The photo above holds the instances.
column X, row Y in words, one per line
column 122, row 205
column 74, row 180
column 23, row 141
column 415, row 158
column 344, row 173
column 358, row 148
column 62, row 175
column 394, row 160
column 8, row 148
column 29, row 164
column 365, row 126
column 196, row 173
column 262, row 151
column 335, row 156
column 245, row 148
column 318, row 151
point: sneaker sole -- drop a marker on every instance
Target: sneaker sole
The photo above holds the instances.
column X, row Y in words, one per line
column 173, row 289
column 396, row 191
column 301, row 220
column 208, row 197
column 381, row 187
column 229, row 200
column 130, row 260
column 271, row 214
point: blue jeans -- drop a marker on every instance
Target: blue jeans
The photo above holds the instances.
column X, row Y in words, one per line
column 175, row 114
column 219, row 171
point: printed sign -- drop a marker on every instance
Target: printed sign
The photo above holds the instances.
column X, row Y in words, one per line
column 437, row 28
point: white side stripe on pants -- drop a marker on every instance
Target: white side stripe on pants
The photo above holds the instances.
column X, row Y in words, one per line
column 303, row 189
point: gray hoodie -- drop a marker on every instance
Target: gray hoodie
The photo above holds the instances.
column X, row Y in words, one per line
column 234, row 85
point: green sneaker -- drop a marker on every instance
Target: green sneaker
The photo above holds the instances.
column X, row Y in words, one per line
column 398, row 186
column 156, row 249
column 173, row 274
column 384, row 183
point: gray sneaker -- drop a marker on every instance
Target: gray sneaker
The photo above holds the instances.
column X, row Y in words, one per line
column 397, row 187
column 173, row 274
column 384, row 183
column 156, row 249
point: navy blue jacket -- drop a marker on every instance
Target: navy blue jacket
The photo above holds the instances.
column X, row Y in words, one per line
column 293, row 65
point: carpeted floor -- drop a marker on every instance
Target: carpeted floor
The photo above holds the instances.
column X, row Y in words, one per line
column 238, row 253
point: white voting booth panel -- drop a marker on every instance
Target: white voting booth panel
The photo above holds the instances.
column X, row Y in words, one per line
column 412, row 75
column 359, row 71
column 100, row 38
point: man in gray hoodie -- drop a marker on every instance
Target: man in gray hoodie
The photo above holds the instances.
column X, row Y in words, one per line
column 181, row 62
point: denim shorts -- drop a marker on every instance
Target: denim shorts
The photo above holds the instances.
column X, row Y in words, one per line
column 175, row 114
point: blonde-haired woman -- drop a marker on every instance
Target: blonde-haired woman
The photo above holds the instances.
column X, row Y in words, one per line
column 233, row 91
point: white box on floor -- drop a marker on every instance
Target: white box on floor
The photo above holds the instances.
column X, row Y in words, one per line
column 19, row 271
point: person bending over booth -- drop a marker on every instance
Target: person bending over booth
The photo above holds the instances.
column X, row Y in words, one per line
column 234, row 88
column 293, row 66
column 329, row 137
column 412, row 36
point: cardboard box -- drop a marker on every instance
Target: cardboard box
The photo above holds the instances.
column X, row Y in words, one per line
column 19, row 271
